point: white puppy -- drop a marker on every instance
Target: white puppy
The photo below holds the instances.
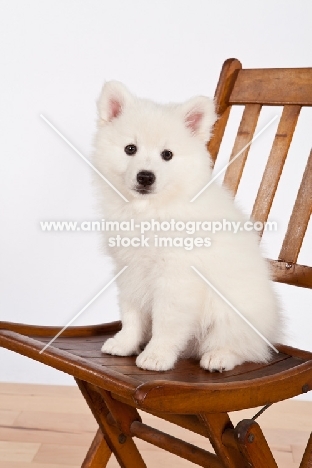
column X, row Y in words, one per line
column 156, row 156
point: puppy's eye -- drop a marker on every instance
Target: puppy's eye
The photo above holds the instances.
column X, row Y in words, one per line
column 130, row 150
column 166, row 155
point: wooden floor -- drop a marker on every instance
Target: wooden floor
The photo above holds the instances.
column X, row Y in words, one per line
column 51, row 427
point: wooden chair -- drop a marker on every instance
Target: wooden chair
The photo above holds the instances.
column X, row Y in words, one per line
column 188, row 396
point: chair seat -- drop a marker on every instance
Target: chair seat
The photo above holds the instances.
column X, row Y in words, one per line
column 192, row 390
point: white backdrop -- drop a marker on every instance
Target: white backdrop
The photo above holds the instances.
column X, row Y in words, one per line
column 55, row 56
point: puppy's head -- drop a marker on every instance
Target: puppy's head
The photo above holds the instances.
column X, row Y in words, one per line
column 151, row 150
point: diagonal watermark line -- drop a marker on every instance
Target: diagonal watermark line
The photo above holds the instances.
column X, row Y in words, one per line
column 83, row 157
column 83, row 309
column 234, row 308
column 235, row 157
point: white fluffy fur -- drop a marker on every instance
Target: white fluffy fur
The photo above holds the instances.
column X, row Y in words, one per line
column 163, row 302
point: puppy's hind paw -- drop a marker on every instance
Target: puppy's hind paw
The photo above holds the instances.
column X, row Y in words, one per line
column 220, row 360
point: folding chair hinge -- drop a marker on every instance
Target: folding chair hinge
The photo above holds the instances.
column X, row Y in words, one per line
column 123, row 415
column 253, row 445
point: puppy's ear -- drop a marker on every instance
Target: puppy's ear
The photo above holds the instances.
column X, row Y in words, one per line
column 199, row 116
column 113, row 99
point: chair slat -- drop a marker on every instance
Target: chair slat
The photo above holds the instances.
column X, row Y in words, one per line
column 273, row 87
column 213, row 145
column 291, row 273
column 299, row 218
column 244, row 136
column 224, row 88
column 275, row 163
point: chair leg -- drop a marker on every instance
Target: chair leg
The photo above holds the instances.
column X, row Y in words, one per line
column 98, row 454
column 123, row 415
column 307, row 456
column 121, row 445
column 253, row 445
column 216, row 426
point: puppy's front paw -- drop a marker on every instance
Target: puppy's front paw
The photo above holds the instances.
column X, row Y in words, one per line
column 155, row 360
column 119, row 347
column 220, row 360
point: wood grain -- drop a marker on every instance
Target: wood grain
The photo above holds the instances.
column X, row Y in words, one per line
column 244, row 136
column 253, row 444
column 291, row 273
column 286, row 427
column 273, row 87
column 121, row 445
column 98, row 454
column 299, row 217
column 275, row 163
column 224, row 88
column 307, row 456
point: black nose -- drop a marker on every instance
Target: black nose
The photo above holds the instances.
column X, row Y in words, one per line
column 146, row 178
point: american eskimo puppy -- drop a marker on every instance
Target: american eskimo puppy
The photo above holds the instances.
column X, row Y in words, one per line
column 156, row 157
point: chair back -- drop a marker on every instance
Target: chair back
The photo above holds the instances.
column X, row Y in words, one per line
column 253, row 89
